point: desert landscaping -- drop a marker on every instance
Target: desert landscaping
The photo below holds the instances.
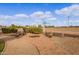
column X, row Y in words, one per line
column 39, row 29
column 54, row 41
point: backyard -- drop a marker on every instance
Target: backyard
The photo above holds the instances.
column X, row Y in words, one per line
column 36, row 42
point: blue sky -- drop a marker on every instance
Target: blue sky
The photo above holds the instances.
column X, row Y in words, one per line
column 37, row 13
column 28, row 8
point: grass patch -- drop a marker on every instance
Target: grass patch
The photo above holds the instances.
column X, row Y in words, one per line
column 2, row 45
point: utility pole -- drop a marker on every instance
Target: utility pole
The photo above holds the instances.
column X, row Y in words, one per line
column 68, row 20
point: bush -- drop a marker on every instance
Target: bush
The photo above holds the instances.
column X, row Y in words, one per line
column 9, row 30
column 35, row 30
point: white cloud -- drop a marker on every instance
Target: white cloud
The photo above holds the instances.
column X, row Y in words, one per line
column 38, row 17
column 14, row 17
column 48, row 14
column 63, row 11
column 77, row 21
column 52, row 18
column 70, row 10
column 4, row 17
column 42, row 15
column 21, row 15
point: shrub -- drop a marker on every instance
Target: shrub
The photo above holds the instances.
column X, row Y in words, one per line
column 9, row 30
column 35, row 30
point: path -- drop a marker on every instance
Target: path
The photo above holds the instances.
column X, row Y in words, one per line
column 19, row 46
column 42, row 45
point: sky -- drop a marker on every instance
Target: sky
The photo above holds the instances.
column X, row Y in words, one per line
column 55, row 14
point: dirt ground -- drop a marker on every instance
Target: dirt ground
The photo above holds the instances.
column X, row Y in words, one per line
column 30, row 45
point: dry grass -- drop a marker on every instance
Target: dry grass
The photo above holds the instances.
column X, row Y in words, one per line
column 64, row 29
